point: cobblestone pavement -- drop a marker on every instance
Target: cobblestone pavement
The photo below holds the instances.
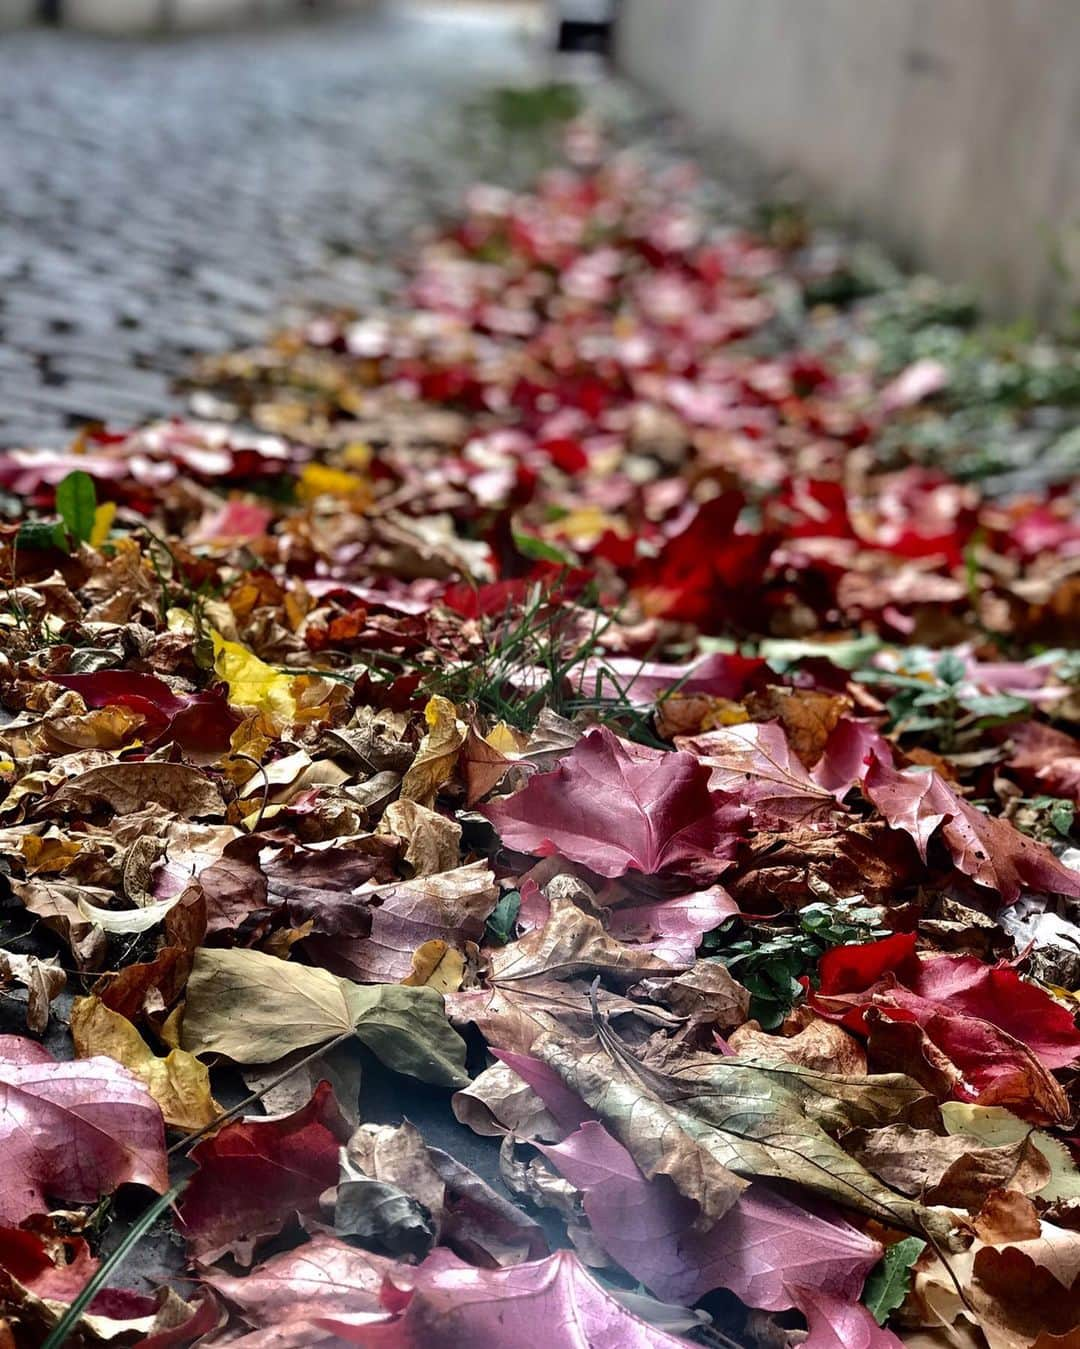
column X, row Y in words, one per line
column 160, row 199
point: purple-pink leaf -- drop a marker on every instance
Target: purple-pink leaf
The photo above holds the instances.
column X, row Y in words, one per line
column 72, row 1131
column 837, row 1323
column 327, row 1289
column 755, row 763
column 616, row 807
column 762, row 1244
column 672, row 928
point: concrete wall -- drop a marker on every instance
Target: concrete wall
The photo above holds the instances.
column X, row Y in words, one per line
column 950, row 127
column 14, row 12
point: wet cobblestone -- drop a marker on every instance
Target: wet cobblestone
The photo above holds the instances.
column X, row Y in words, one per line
column 164, row 199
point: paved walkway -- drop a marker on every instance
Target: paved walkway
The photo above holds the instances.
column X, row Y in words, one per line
column 160, row 199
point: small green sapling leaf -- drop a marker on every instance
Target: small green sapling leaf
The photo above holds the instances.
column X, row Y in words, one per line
column 890, row 1280
column 76, row 502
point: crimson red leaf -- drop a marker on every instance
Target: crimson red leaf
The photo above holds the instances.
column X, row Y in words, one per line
column 850, row 969
column 57, row 1271
column 710, row 573
column 991, row 851
column 255, row 1174
column 194, row 721
column 961, row 985
column 1000, row 1032
column 616, row 807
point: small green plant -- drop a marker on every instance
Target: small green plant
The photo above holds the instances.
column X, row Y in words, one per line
column 535, row 109
column 771, row 963
column 1050, row 819
column 938, row 699
column 502, row 920
column 536, row 659
column 77, row 507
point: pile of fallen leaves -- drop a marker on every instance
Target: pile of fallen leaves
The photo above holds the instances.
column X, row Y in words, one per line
column 562, row 685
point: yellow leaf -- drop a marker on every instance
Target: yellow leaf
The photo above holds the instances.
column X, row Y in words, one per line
column 253, row 683
column 586, row 524
column 436, row 965
column 505, row 739
column 44, row 854
column 103, row 518
column 358, row 454
column 319, row 480
column 179, row 1082
column 437, row 754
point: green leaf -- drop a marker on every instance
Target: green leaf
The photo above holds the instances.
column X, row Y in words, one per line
column 254, row 1008
column 995, row 705
column 890, row 1279
column 406, row 1028
column 536, row 550
column 751, row 1117
column 951, row 669
column 76, row 502
column 41, row 534
column 503, row 918
column 1062, row 814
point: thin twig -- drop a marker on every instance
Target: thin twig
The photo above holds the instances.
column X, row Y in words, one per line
column 191, row 1139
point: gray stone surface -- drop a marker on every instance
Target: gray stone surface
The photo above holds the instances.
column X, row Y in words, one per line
column 162, row 199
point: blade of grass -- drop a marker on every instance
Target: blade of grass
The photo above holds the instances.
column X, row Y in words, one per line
column 69, row 1322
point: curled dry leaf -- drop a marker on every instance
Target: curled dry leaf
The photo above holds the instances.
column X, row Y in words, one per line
column 808, row 716
column 438, row 966
column 178, row 1082
column 449, row 907
column 437, row 753
column 819, row 1045
column 949, row 1170
column 56, row 903
column 573, row 943
column 42, row 979
column 432, row 842
column 127, row 787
